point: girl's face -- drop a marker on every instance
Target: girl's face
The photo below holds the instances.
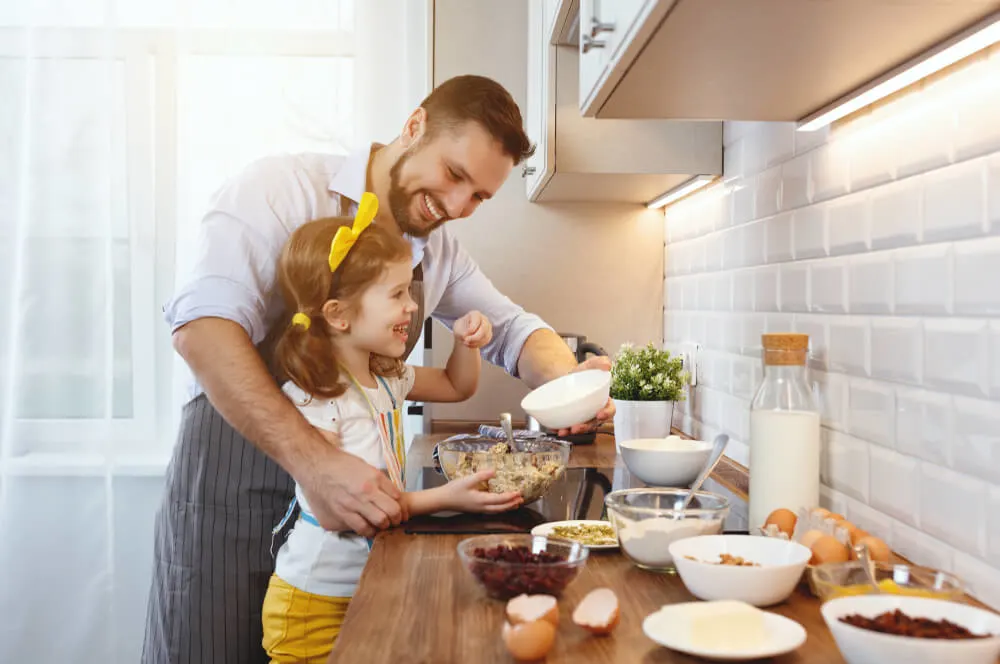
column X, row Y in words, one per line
column 382, row 317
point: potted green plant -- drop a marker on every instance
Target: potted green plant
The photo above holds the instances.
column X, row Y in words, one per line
column 646, row 382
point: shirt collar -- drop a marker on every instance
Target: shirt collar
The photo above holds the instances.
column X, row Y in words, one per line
column 349, row 182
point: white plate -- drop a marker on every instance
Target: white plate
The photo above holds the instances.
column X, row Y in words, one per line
column 783, row 636
column 546, row 529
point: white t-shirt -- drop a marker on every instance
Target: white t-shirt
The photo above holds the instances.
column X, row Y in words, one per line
column 312, row 559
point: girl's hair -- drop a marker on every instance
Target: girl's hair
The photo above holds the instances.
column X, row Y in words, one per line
column 306, row 356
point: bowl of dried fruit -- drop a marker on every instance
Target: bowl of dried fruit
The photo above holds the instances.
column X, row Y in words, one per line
column 510, row 565
column 529, row 465
column 757, row 570
column 915, row 630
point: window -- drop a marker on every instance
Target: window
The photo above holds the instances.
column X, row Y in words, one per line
column 118, row 121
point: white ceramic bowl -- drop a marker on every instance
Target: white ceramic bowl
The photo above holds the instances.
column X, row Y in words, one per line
column 571, row 399
column 781, row 566
column 864, row 646
column 671, row 461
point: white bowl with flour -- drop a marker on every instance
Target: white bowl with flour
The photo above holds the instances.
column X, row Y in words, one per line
column 647, row 523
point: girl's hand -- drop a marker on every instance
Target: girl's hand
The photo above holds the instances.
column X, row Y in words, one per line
column 466, row 494
column 473, row 329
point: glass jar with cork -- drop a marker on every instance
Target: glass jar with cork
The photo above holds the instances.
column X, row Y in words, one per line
column 784, row 431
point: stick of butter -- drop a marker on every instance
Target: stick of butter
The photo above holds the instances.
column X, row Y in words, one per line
column 724, row 625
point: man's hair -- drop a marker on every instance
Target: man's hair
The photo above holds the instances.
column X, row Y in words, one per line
column 482, row 100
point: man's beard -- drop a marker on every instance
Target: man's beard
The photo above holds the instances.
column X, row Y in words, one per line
column 399, row 203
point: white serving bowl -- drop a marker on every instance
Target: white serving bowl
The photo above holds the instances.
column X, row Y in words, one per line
column 864, row 646
column 670, row 462
column 781, row 566
column 571, row 399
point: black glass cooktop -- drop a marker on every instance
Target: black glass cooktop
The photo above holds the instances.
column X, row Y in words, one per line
column 578, row 494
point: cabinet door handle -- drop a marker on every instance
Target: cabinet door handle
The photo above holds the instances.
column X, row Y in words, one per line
column 589, row 43
column 527, row 170
column 597, row 27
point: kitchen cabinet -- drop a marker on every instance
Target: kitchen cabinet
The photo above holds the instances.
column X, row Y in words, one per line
column 564, row 28
column 750, row 60
column 584, row 159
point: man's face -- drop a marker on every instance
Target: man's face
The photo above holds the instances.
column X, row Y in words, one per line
column 445, row 176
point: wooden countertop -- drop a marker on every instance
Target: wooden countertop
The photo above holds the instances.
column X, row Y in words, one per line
column 416, row 604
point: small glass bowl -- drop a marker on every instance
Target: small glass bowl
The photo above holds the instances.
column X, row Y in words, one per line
column 507, row 577
column 833, row 580
column 646, row 525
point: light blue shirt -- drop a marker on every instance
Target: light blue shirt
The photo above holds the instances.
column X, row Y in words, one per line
column 253, row 214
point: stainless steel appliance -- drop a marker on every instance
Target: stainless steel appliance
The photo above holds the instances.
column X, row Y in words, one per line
column 580, row 346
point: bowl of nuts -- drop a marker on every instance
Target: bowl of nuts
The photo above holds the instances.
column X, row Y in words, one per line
column 510, row 565
column 757, row 570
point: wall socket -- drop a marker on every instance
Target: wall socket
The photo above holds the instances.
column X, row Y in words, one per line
column 691, row 352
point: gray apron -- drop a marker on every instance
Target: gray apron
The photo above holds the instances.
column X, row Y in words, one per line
column 212, row 558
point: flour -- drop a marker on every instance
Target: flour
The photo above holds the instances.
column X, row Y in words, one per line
column 647, row 542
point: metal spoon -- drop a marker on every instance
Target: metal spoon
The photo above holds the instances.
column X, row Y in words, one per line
column 718, row 447
column 507, row 429
column 861, row 549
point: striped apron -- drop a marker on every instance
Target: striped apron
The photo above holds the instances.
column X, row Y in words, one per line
column 212, row 558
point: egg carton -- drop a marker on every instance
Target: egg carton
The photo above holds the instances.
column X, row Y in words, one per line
column 808, row 520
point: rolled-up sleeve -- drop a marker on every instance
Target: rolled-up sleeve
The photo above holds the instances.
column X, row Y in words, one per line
column 469, row 289
column 232, row 273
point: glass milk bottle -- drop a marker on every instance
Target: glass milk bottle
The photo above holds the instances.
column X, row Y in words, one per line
column 784, row 431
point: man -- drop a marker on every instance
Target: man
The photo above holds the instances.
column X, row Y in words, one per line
column 241, row 441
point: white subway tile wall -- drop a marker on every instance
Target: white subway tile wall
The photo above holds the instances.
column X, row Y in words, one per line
column 879, row 239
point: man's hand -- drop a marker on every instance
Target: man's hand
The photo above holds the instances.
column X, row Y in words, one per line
column 603, row 415
column 345, row 493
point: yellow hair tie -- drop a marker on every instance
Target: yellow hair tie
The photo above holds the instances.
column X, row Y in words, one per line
column 346, row 237
column 301, row 319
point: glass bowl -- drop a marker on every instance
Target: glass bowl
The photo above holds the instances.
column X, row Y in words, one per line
column 531, row 467
column 510, row 565
column 645, row 523
column 833, row 580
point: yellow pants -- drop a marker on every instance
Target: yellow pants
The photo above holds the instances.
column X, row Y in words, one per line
column 299, row 626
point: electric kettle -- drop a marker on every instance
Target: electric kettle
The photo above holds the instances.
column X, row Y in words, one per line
column 580, row 346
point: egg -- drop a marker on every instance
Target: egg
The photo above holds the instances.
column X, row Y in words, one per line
column 809, row 537
column 529, row 641
column 529, row 608
column 848, row 526
column 858, row 534
column 783, row 519
column 820, row 512
column 835, row 516
column 877, row 549
column 827, row 549
column 598, row 612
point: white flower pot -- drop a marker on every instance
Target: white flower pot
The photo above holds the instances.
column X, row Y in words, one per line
column 642, row 419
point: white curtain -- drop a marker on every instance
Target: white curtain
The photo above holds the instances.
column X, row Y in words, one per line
column 118, row 118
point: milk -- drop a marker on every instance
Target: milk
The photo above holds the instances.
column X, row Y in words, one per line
column 784, row 462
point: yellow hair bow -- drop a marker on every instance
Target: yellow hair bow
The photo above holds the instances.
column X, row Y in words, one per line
column 346, row 237
column 301, row 319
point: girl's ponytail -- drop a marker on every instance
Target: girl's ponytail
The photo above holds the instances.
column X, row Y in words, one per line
column 304, row 354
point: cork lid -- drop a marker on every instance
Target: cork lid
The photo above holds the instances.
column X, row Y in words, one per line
column 785, row 349
column 785, row 341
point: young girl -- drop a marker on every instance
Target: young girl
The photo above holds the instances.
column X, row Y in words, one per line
column 348, row 286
